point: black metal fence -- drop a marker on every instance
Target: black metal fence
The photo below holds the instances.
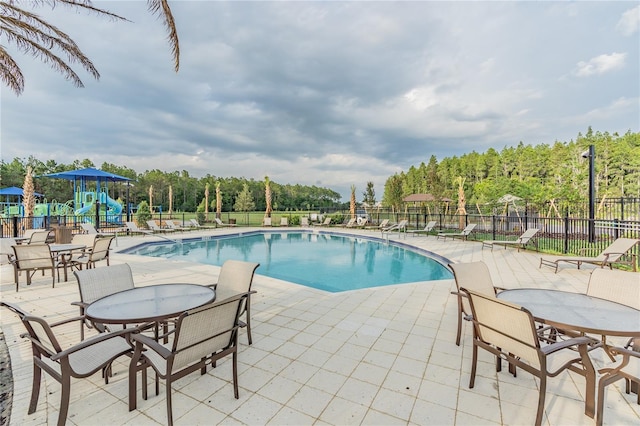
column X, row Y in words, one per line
column 563, row 235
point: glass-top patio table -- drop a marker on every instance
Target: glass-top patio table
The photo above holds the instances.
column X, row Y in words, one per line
column 149, row 304
column 580, row 313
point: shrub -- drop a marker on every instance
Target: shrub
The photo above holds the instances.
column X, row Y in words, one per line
column 143, row 214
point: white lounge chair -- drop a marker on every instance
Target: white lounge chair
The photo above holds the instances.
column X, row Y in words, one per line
column 196, row 224
column 171, row 225
column 427, row 228
column 304, row 221
column 521, row 242
column 133, row 228
column 221, row 223
column 327, row 222
column 400, row 227
column 609, row 256
column 382, row 225
column 351, row 223
column 266, row 221
column 284, row 221
column 464, row 234
column 156, row 228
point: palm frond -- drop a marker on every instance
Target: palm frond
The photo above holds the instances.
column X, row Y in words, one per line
column 161, row 8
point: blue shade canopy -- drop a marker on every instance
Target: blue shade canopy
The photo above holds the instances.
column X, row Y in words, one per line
column 14, row 190
column 88, row 174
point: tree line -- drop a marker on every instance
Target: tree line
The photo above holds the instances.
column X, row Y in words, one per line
column 188, row 191
column 538, row 174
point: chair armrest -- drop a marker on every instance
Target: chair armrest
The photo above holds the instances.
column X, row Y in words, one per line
column 92, row 341
column 66, row 321
column 213, row 286
column 576, row 341
column 141, row 339
column 80, row 304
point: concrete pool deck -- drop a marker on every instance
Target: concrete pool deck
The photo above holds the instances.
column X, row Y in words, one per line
column 385, row 355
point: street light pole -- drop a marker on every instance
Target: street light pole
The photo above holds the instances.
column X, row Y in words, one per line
column 591, row 154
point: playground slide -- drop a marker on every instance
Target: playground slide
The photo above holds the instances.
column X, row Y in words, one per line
column 83, row 210
column 115, row 208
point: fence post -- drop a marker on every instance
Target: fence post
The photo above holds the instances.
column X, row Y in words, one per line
column 566, row 232
column 14, row 219
column 616, row 228
column 621, row 209
column 98, row 216
column 493, row 226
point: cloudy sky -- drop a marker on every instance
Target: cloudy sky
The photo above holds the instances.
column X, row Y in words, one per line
column 328, row 93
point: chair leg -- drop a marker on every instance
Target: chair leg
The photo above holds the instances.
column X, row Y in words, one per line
column 602, row 384
column 248, row 312
column 474, row 361
column 459, row 328
column 235, row 374
column 35, row 388
column 64, row 400
column 168, row 397
column 541, row 397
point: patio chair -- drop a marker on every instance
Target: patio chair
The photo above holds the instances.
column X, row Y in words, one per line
column 351, row 223
column 464, row 234
column 39, row 236
column 99, row 252
column 400, row 227
column 609, row 256
column 156, row 228
column 6, row 252
column 426, row 230
column 171, row 225
column 304, row 221
column 380, row 226
column 509, row 332
column 222, row 224
column 619, row 286
column 81, row 360
column 284, row 221
column 521, row 242
column 87, row 240
column 235, row 278
column 31, row 258
column 88, row 228
column 133, row 229
column 628, row 369
column 196, row 224
column 97, row 283
column 326, row 222
column 266, row 221
column 472, row 276
column 202, row 336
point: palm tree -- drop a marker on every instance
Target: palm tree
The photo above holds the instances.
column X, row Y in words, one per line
column 28, row 196
column 32, row 35
column 267, row 196
column 352, row 202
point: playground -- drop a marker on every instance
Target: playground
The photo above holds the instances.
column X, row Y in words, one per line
column 90, row 198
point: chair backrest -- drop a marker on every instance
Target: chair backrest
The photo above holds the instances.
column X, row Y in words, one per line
column 84, row 239
column 506, row 326
column 97, row 283
column 6, row 244
column 429, row 226
column 304, row 221
column 39, row 237
column 100, row 249
column 39, row 331
column 33, row 256
column 384, row 223
column 195, row 223
column 170, row 223
column 266, row 221
column 131, row 226
column 473, row 276
column 351, row 221
column 528, row 234
column 402, row 224
column 284, row 221
column 89, row 228
column 236, row 276
column 327, row 221
column 618, row 286
column 619, row 248
column 218, row 221
column 153, row 225
column 467, row 230
column 206, row 330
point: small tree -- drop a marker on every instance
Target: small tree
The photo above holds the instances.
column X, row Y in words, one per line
column 143, row 214
column 244, row 201
column 369, row 195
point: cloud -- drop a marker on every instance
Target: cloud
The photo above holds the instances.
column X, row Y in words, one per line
column 600, row 64
column 629, row 23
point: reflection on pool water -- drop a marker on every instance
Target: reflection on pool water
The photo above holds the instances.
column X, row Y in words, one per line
column 324, row 261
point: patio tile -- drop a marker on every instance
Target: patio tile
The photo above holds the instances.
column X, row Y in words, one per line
column 372, row 356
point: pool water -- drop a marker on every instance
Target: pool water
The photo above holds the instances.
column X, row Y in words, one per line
column 323, row 261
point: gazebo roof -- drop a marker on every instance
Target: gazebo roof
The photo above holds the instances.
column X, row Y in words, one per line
column 418, row 198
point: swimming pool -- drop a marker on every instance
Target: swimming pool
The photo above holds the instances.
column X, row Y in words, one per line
column 330, row 262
